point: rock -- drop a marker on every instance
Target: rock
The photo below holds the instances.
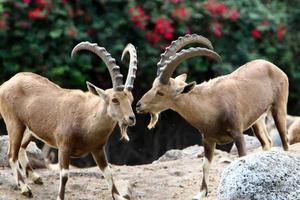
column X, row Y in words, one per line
column 251, row 143
column 191, row 152
column 266, row 175
column 5, row 198
column 276, row 140
column 176, row 154
column 34, row 154
column 3, row 151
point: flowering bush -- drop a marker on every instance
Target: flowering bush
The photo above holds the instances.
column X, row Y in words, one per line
column 38, row 35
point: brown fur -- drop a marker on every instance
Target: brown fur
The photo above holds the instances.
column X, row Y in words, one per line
column 294, row 132
column 293, row 128
column 73, row 121
column 222, row 108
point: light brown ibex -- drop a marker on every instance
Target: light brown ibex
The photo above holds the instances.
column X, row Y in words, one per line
column 293, row 129
column 222, row 108
column 73, row 121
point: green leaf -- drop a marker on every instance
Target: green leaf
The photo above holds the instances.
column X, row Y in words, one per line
column 55, row 33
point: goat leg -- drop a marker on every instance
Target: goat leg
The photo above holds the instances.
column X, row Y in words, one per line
column 100, row 158
column 209, row 147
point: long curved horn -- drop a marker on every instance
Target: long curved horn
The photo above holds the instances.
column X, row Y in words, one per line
column 180, row 43
column 132, row 66
column 113, row 68
column 174, row 61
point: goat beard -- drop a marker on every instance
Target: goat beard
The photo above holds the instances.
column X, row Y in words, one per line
column 123, row 129
column 153, row 120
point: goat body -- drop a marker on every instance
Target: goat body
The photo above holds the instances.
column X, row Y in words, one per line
column 222, row 108
column 55, row 115
column 73, row 121
column 234, row 102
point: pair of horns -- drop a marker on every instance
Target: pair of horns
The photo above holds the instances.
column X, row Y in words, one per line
column 110, row 62
column 170, row 59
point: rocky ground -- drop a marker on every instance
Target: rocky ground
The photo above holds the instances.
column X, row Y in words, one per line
column 166, row 179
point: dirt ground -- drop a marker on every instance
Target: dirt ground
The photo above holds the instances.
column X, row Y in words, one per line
column 179, row 179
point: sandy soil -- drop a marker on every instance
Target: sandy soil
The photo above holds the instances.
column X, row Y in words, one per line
column 179, row 179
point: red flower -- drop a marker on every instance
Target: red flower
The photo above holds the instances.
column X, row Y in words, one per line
column 256, row 34
column 168, row 36
column 175, row 1
column 180, row 13
column 234, row 14
column 264, row 23
column 26, row 1
column 164, row 27
column 2, row 24
column 221, row 8
column 217, row 29
column 36, row 14
column 215, row 8
column 64, row 2
column 5, row 14
column 41, row 2
column 139, row 18
column 152, row 37
column 72, row 32
column 280, row 32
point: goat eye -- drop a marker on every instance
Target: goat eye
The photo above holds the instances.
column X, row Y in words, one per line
column 159, row 93
column 115, row 100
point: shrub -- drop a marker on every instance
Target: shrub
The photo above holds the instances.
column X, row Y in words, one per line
column 38, row 35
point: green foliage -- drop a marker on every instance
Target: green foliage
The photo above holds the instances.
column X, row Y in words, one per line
column 38, row 36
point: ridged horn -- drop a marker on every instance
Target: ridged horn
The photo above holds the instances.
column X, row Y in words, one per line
column 180, row 43
column 174, row 61
column 113, row 68
column 132, row 66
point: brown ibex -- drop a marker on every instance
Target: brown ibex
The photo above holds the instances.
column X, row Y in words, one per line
column 222, row 108
column 293, row 129
column 73, row 121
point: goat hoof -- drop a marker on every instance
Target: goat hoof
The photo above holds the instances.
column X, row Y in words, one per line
column 199, row 196
column 36, row 178
column 118, row 197
column 26, row 191
column 38, row 181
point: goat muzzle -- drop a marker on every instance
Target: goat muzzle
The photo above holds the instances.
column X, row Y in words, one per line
column 131, row 120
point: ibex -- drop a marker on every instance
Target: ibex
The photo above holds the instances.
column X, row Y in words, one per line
column 73, row 121
column 293, row 129
column 222, row 108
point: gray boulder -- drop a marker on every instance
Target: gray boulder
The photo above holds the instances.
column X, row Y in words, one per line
column 176, row 154
column 262, row 176
column 190, row 152
column 251, row 143
column 35, row 155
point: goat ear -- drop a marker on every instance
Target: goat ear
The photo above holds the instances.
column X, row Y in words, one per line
column 181, row 77
column 95, row 90
column 91, row 88
column 189, row 87
column 185, row 89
